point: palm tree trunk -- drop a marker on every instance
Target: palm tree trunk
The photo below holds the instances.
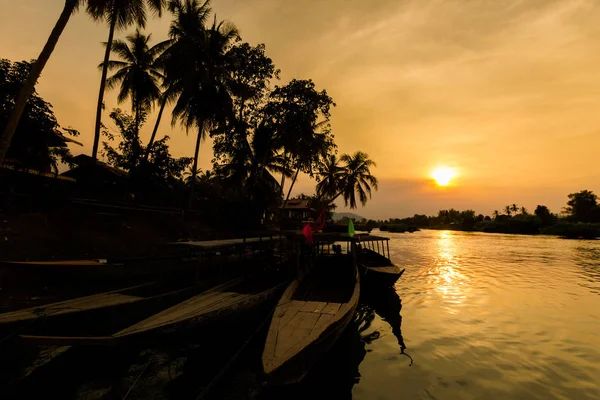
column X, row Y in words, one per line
column 291, row 186
column 34, row 74
column 155, row 130
column 195, row 168
column 111, row 34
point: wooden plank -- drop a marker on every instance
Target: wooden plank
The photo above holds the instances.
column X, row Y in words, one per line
column 313, row 306
column 295, row 332
column 331, row 308
column 76, row 305
column 67, row 340
column 322, row 323
column 291, row 310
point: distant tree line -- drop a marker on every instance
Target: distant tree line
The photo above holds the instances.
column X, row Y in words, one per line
column 579, row 219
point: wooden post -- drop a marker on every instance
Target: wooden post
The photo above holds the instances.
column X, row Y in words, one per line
column 378, row 246
column 388, row 248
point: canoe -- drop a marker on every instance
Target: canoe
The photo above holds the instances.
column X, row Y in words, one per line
column 310, row 316
column 131, row 302
column 376, row 269
column 230, row 299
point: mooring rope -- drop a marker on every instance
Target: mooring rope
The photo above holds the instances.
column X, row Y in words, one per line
column 137, row 379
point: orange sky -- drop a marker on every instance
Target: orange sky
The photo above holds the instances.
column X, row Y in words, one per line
column 507, row 92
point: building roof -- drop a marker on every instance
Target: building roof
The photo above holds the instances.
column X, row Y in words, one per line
column 296, row 204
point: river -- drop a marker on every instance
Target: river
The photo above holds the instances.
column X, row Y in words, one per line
column 483, row 316
column 475, row 316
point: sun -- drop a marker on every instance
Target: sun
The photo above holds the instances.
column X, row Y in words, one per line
column 443, row 175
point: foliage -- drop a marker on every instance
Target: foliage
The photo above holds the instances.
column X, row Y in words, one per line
column 161, row 171
column 38, row 128
column 354, row 178
column 138, row 72
column 583, row 206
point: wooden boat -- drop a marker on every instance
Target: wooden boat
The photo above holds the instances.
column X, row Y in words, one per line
column 377, row 269
column 180, row 259
column 137, row 301
column 230, row 299
column 310, row 316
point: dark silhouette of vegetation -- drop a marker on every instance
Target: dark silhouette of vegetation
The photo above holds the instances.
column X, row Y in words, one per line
column 581, row 220
column 19, row 103
column 119, row 14
column 39, row 142
column 217, row 85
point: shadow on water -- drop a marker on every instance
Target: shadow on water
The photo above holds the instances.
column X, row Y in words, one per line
column 339, row 369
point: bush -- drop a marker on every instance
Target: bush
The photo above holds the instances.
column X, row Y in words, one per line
column 573, row 230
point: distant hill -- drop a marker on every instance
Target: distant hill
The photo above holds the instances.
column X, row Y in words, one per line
column 338, row 216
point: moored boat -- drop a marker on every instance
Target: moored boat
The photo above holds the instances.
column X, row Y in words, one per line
column 375, row 268
column 227, row 300
column 123, row 304
column 313, row 311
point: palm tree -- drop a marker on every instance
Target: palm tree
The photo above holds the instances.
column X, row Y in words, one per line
column 330, row 175
column 496, row 214
column 195, row 70
column 137, row 73
column 524, row 211
column 13, row 121
column 514, row 208
column 507, row 210
column 357, row 179
column 120, row 14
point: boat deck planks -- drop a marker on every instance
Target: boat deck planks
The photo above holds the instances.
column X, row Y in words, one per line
column 86, row 303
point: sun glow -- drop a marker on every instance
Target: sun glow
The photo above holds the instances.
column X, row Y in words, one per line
column 443, row 175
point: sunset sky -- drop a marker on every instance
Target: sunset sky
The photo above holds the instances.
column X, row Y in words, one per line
column 506, row 92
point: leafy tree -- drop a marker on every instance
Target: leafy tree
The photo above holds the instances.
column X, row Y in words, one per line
column 138, row 73
column 19, row 103
column 544, row 214
column 583, row 206
column 161, row 171
column 119, row 14
column 302, row 117
column 34, row 144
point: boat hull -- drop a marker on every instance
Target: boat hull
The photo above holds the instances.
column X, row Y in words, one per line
column 373, row 277
column 294, row 370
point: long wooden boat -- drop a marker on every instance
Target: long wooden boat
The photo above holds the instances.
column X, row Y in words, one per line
column 137, row 301
column 230, row 299
column 310, row 316
column 375, row 268
column 180, row 259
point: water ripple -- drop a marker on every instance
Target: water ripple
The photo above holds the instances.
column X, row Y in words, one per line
column 497, row 316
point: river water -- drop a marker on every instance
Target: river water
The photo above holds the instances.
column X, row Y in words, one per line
column 475, row 316
column 487, row 316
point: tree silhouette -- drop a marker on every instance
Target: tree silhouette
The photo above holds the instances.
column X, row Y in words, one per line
column 514, row 208
column 524, row 211
column 357, row 179
column 330, row 176
column 119, row 14
column 196, row 70
column 495, row 214
column 34, row 74
column 508, row 210
column 138, row 74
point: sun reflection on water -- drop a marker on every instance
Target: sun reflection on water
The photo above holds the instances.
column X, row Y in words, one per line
column 446, row 276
